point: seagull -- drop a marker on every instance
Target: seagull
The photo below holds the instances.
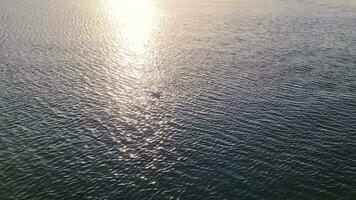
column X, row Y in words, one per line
column 156, row 95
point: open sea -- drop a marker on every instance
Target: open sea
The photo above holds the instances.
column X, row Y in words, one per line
column 177, row 99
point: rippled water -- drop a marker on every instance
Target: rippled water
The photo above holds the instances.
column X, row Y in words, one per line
column 229, row 99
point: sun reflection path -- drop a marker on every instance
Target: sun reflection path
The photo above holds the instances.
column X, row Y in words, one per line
column 132, row 29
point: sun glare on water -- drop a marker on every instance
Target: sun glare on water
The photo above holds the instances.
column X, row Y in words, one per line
column 132, row 29
column 135, row 21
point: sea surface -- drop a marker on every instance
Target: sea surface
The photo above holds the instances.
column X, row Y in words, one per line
column 177, row 99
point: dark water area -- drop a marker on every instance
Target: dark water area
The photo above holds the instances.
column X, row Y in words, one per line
column 229, row 99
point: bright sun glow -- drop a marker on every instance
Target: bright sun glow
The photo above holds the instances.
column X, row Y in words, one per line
column 135, row 21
